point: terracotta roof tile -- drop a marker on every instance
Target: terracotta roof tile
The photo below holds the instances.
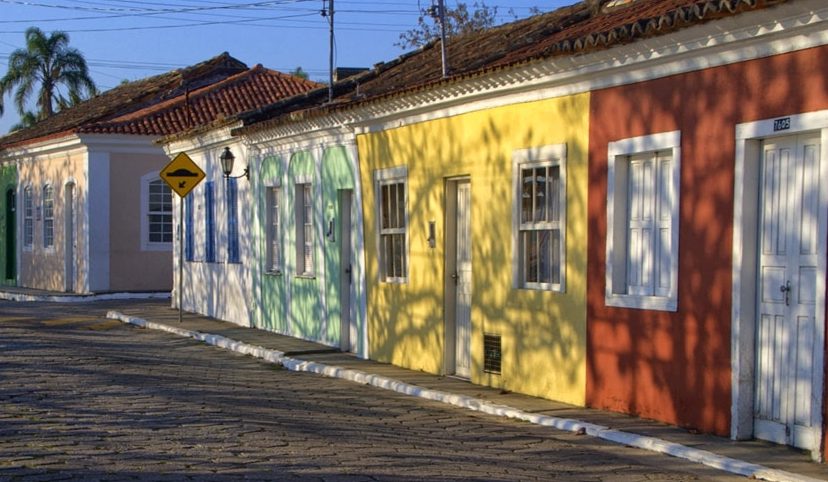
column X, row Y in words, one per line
column 569, row 30
column 217, row 88
column 227, row 98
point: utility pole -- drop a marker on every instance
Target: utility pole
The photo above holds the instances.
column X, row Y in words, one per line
column 329, row 12
column 439, row 12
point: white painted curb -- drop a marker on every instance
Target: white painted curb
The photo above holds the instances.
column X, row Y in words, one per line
column 11, row 296
column 652, row 444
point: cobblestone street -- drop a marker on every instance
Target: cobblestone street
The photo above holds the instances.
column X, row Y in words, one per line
column 84, row 398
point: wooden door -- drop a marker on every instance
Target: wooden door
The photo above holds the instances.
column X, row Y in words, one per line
column 463, row 278
column 785, row 402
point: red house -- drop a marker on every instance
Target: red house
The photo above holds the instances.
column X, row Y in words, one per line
column 708, row 209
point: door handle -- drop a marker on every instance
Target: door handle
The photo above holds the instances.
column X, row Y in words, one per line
column 348, row 272
column 786, row 289
column 455, row 277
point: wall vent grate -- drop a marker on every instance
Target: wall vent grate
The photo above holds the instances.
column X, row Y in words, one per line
column 491, row 353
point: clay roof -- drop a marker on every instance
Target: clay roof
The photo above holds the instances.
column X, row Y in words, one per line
column 208, row 105
column 571, row 30
column 214, row 89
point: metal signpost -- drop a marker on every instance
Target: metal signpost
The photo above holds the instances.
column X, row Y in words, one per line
column 182, row 175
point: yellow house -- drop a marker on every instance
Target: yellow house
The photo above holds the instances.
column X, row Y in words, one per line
column 475, row 239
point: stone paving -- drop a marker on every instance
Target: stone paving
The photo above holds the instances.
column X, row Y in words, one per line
column 83, row 398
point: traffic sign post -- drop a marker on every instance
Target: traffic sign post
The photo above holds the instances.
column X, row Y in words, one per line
column 182, row 175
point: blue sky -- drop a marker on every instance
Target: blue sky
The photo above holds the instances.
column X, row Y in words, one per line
column 132, row 39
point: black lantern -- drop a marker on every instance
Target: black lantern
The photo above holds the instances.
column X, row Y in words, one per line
column 227, row 159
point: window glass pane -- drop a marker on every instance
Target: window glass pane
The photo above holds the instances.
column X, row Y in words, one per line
column 555, row 249
column 399, row 256
column 553, row 199
column 48, row 217
column 540, row 194
column 28, row 214
column 388, row 256
column 526, row 196
column 531, row 249
column 385, row 206
column 544, row 257
column 400, row 206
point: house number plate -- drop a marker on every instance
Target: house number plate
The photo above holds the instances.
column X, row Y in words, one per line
column 782, row 124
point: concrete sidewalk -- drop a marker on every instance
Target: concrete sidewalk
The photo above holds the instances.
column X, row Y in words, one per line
column 754, row 459
column 16, row 293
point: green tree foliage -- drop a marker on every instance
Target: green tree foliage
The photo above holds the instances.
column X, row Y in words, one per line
column 298, row 72
column 43, row 68
column 459, row 20
column 27, row 120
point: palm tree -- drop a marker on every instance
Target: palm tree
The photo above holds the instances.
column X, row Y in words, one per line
column 27, row 120
column 46, row 63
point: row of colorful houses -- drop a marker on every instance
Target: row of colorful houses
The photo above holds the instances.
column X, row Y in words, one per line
column 83, row 207
column 622, row 208
column 619, row 209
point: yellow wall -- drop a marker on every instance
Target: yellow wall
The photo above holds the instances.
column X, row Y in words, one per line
column 543, row 333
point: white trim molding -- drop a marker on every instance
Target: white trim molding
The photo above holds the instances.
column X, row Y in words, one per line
column 542, row 156
column 618, row 154
column 392, row 175
column 146, row 244
column 747, row 182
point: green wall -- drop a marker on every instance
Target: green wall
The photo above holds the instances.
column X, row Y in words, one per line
column 304, row 306
column 8, row 180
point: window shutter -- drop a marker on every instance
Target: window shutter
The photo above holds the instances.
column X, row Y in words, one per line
column 210, row 251
column 232, row 221
column 189, row 247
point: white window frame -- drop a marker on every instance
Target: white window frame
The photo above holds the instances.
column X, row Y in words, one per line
column 275, row 254
column 146, row 244
column 542, row 156
column 385, row 177
column 303, row 211
column 28, row 213
column 619, row 154
column 48, row 215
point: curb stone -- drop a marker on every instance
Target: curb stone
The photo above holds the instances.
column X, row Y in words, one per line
column 60, row 298
column 653, row 444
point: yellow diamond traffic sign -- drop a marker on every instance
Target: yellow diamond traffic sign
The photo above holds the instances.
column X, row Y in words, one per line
column 182, row 174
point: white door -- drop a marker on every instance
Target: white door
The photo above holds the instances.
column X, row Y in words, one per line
column 785, row 411
column 347, row 328
column 463, row 278
column 69, row 237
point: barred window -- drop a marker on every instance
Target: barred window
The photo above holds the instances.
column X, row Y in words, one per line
column 159, row 213
column 304, row 229
column 541, row 215
column 48, row 217
column 28, row 217
column 393, row 243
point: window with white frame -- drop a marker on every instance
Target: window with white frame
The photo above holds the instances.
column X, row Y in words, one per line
column 642, row 222
column 274, row 247
column 48, row 216
column 391, row 185
column 304, row 229
column 159, row 213
column 28, row 218
column 540, row 217
column 156, row 214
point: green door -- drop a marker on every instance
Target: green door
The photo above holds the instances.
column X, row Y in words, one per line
column 11, row 236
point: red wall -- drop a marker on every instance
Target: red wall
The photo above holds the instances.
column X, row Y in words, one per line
column 675, row 367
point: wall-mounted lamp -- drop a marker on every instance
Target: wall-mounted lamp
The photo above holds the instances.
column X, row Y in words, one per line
column 227, row 159
column 432, row 235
